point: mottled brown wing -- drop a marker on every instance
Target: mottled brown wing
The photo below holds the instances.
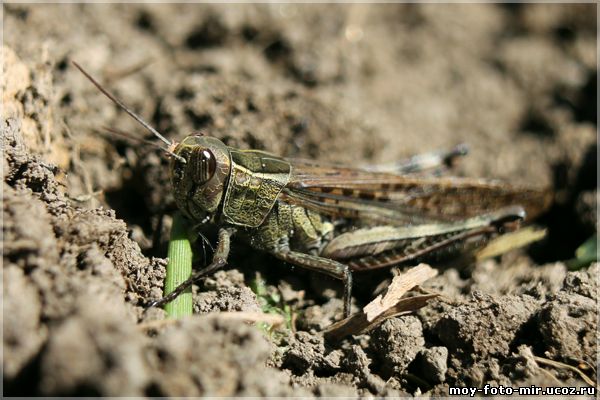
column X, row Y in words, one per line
column 397, row 199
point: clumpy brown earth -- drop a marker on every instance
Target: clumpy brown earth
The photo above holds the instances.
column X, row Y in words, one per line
column 84, row 247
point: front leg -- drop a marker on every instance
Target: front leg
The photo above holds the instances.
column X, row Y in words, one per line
column 219, row 261
column 323, row 265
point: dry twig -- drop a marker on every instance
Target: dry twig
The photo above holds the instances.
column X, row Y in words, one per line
column 558, row 364
column 386, row 306
column 252, row 317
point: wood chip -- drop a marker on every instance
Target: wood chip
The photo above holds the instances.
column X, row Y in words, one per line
column 400, row 285
column 386, row 306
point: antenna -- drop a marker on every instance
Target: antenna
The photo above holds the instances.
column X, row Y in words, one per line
column 128, row 111
column 130, row 136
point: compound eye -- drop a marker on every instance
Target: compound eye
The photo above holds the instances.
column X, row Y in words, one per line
column 204, row 165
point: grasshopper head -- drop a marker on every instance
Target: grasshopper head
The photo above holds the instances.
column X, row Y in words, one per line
column 199, row 165
column 199, row 181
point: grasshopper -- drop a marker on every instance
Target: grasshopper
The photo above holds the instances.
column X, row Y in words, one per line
column 333, row 219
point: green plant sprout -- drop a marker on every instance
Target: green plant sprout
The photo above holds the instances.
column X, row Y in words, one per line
column 179, row 267
column 270, row 303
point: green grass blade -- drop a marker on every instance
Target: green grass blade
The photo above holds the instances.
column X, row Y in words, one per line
column 179, row 268
column 585, row 254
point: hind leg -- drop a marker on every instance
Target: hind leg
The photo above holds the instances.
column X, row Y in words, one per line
column 332, row 268
column 434, row 162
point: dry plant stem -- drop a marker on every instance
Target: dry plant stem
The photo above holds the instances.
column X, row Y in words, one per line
column 386, row 306
column 252, row 317
column 179, row 268
column 440, row 296
column 557, row 364
column 271, row 319
column 358, row 323
column 510, row 241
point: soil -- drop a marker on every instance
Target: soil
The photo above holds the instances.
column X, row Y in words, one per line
column 84, row 242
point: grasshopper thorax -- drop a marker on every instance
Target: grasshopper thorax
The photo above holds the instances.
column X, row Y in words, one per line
column 199, row 182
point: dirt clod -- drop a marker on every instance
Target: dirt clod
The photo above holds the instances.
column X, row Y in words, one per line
column 229, row 359
column 487, row 326
column 397, row 341
column 432, row 364
column 308, row 352
column 226, row 291
column 568, row 326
